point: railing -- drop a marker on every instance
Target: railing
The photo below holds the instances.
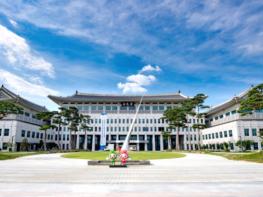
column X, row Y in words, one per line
column 236, row 117
column 24, row 118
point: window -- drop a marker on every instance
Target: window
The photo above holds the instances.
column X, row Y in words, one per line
column 230, row 133
column 114, row 108
column 27, row 114
column 23, row 133
column 216, row 118
column 161, row 107
column 216, row 135
column 246, row 132
column 225, row 133
column 41, row 135
column 33, row 134
column 86, row 107
column 145, row 129
column 254, row 132
column 233, row 112
column 155, row 108
column 228, row 113
column 147, row 108
column 221, row 134
column 6, row 132
column 100, row 108
column 28, row 134
column 221, row 116
column 108, row 108
column 0, row 132
column 213, row 136
column 94, row 107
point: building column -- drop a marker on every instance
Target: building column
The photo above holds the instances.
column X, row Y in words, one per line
column 145, row 145
column 77, row 143
column 85, row 141
column 259, row 145
column 153, row 142
column 138, row 144
column 93, row 142
column 161, row 142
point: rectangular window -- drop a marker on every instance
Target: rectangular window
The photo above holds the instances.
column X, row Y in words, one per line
column 234, row 112
column 100, row 108
column 6, row 132
column 155, row 108
column 41, row 135
column 114, row 108
column 254, row 132
column 147, row 108
column 33, row 134
column 0, row 132
column 221, row 116
column 213, row 136
column 161, row 108
column 216, row 135
column 108, row 108
column 23, row 133
column 216, row 118
column 225, row 133
column 28, row 134
column 221, row 134
column 246, row 132
column 228, row 113
column 230, row 133
column 37, row 135
column 93, row 107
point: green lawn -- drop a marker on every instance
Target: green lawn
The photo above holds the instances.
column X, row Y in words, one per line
column 13, row 155
column 251, row 156
column 99, row 155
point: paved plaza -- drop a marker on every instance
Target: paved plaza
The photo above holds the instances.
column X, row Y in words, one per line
column 194, row 175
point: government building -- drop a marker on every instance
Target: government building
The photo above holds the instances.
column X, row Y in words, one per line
column 119, row 110
column 113, row 114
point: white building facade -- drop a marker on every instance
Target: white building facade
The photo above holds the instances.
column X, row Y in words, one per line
column 226, row 125
column 119, row 111
column 15, row 128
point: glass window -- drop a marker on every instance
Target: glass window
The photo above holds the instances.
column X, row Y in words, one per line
column 108, row 108
column 114, row 108
column 216, row 118
column 234, row 112
column 221, row 134
column 161, row 108
column 216, row 135
column 221, row 116
column 228, row 113
column 33, row 134
column 147, row 108
column 100, row 108
column 225, row 133
column 254, row 132
column 37, row 135
column 155, row 108
column 94, row 107
column 86, row 107
column 145, row 129
column 23, row 133
column 213, row 136
column 6, row 132
column 246, row 132
column 230, row 133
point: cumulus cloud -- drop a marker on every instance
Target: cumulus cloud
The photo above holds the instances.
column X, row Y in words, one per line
column 151, row 68
column 18, row 53
column 136, row 83
column 24, row 87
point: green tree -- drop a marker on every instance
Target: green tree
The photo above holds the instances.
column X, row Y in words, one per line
column 9, row 107
column 46, row 118
column 167, row 136
column 253, row 101
column 244, row 144
column 59, row 120
column 73, row 120
column 84, row 125
column 24, row 146
column 176, row 119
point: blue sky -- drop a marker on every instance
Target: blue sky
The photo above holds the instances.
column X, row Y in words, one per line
column 130, row 47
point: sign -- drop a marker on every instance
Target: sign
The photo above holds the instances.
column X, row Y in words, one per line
column 103, row 133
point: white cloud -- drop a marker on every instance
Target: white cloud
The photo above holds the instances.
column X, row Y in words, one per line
column 136, row 83
column 140, row 79
column 14, row 23
column 19, row 54
column 151, row 68
column 24, row 87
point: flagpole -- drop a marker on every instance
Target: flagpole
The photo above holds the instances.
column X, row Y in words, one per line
column 127, row 139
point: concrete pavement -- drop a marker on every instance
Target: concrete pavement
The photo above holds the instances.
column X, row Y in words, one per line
column 194, row 175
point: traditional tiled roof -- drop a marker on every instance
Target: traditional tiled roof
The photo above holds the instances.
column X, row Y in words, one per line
column 86, row 97
column 26, row 103
column 228, row 103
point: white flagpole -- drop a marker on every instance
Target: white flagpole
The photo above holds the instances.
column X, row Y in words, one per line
column 127, row 139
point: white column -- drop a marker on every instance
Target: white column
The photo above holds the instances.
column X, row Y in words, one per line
column 77, row 144
column 145, row 145
column 93, row 142
column 161, row 142
column 85, row 141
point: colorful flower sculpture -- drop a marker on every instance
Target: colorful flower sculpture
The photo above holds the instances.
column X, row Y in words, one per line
column 123, row 156
column 113, row 156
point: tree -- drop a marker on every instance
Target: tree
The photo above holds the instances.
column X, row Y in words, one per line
column 73, row 120
column 176, row 119
column 46, row 118
column 59, row 120
column 9, row 107
column 84, row 119
column 244, row 144
column 167, row 136
column 253, row 101
column 198, row 105
column 24, row 145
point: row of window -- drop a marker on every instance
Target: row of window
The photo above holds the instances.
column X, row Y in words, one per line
column 217, row 135
column 253, row 132
column 139, row 121
column 222, row 115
